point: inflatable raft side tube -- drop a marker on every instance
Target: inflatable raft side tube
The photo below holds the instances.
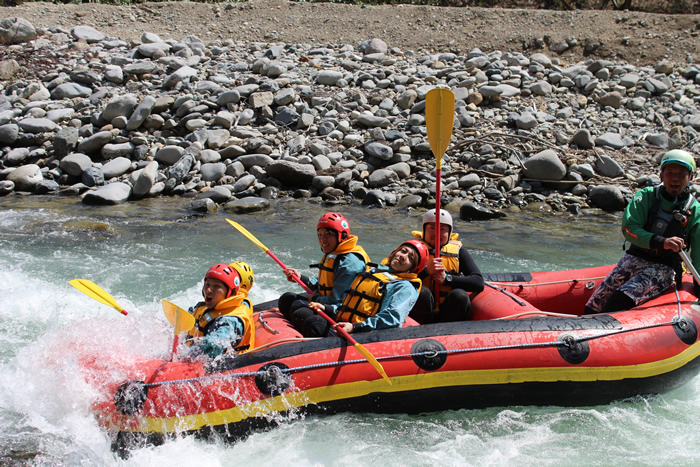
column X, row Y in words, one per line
column 433, row 396
column 594, row 323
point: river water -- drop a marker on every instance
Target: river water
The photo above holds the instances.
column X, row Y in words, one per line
column 144, row 252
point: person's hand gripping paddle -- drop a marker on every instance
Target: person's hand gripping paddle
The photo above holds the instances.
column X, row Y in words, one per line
column 180, row 319
column 359, row 347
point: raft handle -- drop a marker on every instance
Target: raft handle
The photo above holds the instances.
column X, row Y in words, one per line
column 265, row 325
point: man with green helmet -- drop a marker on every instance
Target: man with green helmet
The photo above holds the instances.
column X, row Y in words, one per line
column 658, row 222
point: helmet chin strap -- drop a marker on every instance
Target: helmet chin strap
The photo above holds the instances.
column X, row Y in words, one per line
column 684, row 194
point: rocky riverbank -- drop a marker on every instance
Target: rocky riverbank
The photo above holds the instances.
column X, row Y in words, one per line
column 236, row 124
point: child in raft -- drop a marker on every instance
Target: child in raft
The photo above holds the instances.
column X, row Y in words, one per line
column 343, row 259
column 245, row 272
column 223, row 320
column 379, row 298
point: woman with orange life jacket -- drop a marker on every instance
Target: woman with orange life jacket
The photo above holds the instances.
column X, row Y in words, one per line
column 455, row 271
column 222, row 321
column 343, row 259
column 379, row 298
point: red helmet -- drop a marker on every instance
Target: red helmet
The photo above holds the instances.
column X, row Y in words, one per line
column 337, row 222
column 227, row 275
column 422, row 251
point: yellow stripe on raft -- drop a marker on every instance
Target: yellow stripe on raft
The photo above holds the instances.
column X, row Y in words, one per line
column 401, row 384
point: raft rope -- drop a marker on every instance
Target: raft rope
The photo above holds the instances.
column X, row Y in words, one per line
column 522, row 286
column 569, row 341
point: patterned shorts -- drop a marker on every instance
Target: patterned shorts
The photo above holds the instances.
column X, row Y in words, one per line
column 639, row 279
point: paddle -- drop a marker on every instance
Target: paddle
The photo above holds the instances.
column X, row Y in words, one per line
column 439, row 120
column 359, row 347
column 93, row 290
column 250, row 237
column 181, row 321
column 689, row 265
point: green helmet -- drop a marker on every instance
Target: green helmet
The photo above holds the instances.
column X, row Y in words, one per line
column 680, row 157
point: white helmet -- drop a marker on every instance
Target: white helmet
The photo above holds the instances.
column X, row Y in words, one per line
column 445, row 218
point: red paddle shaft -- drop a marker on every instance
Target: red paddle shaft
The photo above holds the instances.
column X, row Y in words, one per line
column 438, row 233
column 321, row 313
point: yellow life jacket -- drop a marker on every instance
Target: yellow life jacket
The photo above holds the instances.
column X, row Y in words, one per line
column 367, row 292
column 449, row 254
column 326, row 274
column 238, row 306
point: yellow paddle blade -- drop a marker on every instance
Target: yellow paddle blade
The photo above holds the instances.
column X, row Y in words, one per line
column 439, row 120
column 249, row 235
column 173, row 312
column 96, row 292
column 373, row 361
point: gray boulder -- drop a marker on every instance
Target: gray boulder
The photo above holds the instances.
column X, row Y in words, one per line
column 583, row 139
column 145, row 180
column 65, row 141
column 16, row 30
column 204, row 205
column 180, row 169
column 114, row 193
column 544, row 165
column 8, row 133
column 142, row 111
column 243, row 183
column 379, row 150
column 37, row 125
column 218, row 194
column 375, row 46
column 291, row 173
column 87, row 33
column 116, row 167
column 611, row 99
column 255, row 160
column 110, row 151
column 607, row 197
column 6, row 187
column 613, row 140
column 74, row 164
column 121, row 106
column 25, row 177
column 95, row 142
column 169, row 155
column 69, row 91
column 247, row 205
column 526, row 121
column 93, row 176
column 607, row 167
column 16, row 156
column 45, row 187
column 472, row 211
column 382, row 177
column 329, row 77
column 209, row 156
column 212, row 172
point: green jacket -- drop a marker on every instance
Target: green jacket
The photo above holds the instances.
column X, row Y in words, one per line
column 638, row 211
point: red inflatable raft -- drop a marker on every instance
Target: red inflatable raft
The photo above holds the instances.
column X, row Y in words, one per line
column 526, row 345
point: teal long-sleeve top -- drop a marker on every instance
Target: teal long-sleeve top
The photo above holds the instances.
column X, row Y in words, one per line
column 220, row 334
column 399, row 298
column 638, row 211
column 345, row 268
